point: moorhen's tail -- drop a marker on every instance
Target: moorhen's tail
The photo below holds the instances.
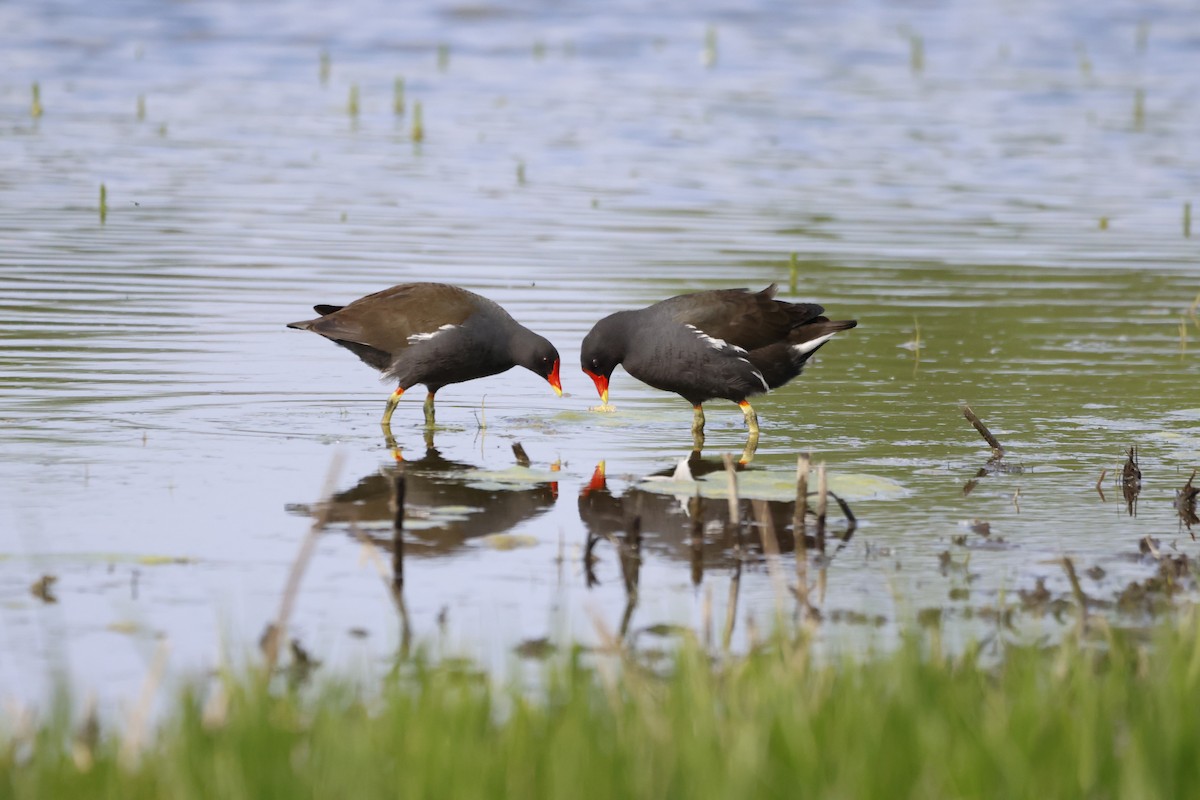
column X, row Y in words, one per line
column 784, row 360
column 323, row 310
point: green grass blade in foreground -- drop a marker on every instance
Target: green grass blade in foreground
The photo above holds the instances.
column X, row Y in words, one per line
column 1074, row 720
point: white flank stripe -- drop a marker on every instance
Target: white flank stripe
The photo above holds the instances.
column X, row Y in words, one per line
column 423, row 337
column 714, row 342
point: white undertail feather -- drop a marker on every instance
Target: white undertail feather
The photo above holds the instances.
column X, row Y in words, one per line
column 809, row 346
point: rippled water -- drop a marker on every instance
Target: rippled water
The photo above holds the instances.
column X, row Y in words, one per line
column 1016, row 197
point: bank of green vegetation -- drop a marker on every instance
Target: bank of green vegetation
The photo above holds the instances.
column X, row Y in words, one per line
column 1109, row 714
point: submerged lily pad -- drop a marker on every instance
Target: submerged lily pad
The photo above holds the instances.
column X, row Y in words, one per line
column 780, row 486
column 507, row 479
column 509, row 541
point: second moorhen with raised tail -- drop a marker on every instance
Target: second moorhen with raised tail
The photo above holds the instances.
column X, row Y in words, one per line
column 730, row 343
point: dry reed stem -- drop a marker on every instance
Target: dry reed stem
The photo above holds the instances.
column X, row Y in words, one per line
column 303, row 556
column 1076, row 590
column 135, row 730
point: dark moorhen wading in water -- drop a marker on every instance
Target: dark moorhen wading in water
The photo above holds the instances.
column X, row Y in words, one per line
column 434, row 334
column 730, row 343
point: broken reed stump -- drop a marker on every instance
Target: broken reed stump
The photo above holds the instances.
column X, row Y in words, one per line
column 520, row 455
column 799, row 521
column 993, row 442
column 1131, row 473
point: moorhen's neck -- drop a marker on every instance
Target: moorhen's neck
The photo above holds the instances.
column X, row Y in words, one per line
column 526, row 347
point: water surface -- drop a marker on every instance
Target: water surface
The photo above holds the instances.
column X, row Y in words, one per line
column 1004, row 202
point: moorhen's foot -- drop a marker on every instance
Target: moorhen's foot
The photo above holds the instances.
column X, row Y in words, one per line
column 750, row 448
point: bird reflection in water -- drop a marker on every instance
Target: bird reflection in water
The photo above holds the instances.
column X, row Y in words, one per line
column 445, row 506
column 694, row 529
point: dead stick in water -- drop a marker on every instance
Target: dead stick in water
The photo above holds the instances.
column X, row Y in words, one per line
column 276, row 634
column 799, row 521
column 1099, row 485
column 993, row 442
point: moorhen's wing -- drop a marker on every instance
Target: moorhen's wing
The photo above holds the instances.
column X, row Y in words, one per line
column 393, row 319
column 749, row 320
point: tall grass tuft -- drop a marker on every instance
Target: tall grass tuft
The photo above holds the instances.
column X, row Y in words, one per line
column 325, row 67
column 398, row 96
column 1104, row 715
column 418, row 123
column 35, row 103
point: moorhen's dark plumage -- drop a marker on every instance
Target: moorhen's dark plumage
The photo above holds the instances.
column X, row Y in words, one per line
column 731, row 344
column 434, row 334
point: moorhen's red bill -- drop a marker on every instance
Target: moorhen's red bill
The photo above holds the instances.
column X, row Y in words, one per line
column 434, row 334
column 730, row 343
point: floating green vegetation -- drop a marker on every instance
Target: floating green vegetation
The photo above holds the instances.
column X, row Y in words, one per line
column 35, row 105
column 326, row 66
column 352, row 103
column 520, row 173
column 539, row 50
column 1187, row 220
column 398, row 96
column 793, row 273
column 1103, row 223
column 1100, row 715
column 778, row 486
column 418, row 123
column 1139, row 109
column 103, row 203
column 141, row 107
column 443, row 57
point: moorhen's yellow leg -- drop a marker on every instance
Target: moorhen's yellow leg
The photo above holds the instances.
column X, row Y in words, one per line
column 386, row 422
column 752, row 439
column 751, row 417
column 429, row 410
column 697, row 427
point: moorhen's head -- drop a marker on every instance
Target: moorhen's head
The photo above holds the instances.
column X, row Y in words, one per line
column 537, row 355
column 603, row 348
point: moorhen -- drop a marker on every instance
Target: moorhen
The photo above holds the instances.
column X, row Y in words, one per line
column 434, row 334
column 729, row 343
